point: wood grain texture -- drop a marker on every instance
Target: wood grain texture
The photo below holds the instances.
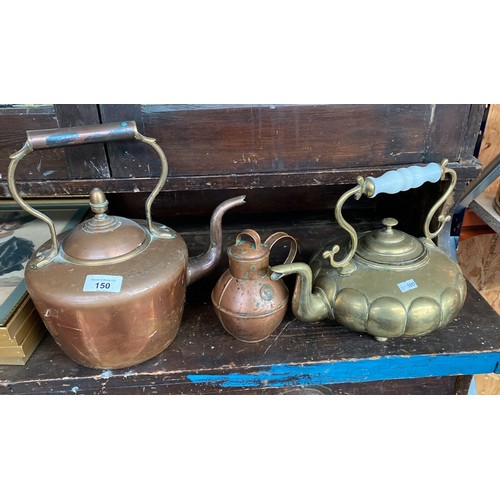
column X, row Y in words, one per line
column 488, row 384
column 490, row 144
column 470, row 135
column 291, row 161
column 478, row 264
column 246, row 146
column 84, row 162
column 202, row 347
column 208, row 182
column 38, row 166
column 259, row 139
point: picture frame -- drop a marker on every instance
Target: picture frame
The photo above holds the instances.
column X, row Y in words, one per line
column 21, row 234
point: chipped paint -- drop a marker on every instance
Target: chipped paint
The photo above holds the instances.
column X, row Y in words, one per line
column 363, row 370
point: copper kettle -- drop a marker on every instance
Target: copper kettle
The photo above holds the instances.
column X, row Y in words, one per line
column 111, row 291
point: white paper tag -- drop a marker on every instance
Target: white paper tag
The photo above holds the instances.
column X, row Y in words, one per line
column 407, row 285
column 102, row 283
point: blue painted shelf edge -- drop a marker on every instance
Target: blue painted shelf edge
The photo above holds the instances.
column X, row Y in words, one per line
column 357, row 370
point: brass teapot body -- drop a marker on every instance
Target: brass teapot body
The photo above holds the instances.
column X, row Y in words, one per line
column 111, row 292
column 249, row 305
column 388, row 283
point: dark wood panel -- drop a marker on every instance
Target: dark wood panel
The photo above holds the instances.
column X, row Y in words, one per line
column 258, row 139
column 472, row 135
column 87, row 161
column 208, row 182
column 131, row 159
column 449, row 124
column 39, row 165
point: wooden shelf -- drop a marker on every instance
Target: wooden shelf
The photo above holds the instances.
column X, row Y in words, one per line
column 204, row 359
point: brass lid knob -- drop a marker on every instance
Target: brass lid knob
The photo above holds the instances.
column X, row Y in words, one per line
column 103, row 236
column 390, row 246
column 98, row 202
column 389, row 223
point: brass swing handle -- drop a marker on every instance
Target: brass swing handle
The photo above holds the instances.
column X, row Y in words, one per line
column 73, row 136
column 393, row 182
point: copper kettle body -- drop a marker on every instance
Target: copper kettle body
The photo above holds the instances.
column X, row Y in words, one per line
column 248, row 303
column 111, row 292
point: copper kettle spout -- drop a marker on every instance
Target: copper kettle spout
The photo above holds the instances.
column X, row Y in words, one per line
column 306, row 304
column 203, row 264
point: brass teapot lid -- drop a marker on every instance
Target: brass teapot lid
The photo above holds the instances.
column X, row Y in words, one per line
column 390, row 246
column 103, row 236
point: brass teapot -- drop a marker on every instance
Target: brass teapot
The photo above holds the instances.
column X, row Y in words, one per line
column 389, row 283
column 111, row 291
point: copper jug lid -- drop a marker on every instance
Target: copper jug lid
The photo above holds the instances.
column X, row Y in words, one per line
column 390, row 246
column 249, row 257
column 245, row 250
column 104, row 236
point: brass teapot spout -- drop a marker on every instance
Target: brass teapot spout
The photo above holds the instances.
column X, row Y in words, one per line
column 306, row 304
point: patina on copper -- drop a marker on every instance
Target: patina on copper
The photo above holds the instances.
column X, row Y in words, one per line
column 111, row 292
column 248, row 303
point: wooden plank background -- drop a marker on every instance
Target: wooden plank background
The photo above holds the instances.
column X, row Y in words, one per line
column 486, row 247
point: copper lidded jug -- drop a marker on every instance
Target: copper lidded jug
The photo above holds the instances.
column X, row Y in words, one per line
column 111, row 291
column 248, row 303
column 387, row 283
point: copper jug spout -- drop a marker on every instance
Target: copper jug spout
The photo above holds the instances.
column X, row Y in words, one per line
column 203, row 264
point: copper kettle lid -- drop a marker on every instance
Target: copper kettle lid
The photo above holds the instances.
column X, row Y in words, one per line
column 390, row 246
column 103, row 236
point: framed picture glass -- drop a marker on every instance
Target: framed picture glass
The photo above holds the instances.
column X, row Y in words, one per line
column 21, row 234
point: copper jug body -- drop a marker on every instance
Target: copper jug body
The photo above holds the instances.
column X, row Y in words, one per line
column 111, row 291
column 249, row 305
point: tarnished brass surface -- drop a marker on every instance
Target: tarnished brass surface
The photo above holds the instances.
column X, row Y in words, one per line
column 387, row 283
column 370, row 299
column 248, row 303
column 390, row 246
column 442, row 219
